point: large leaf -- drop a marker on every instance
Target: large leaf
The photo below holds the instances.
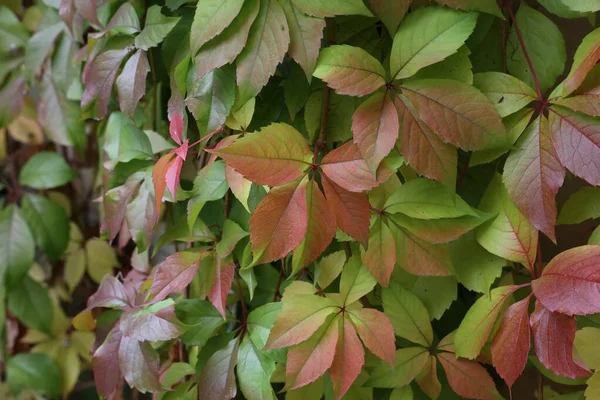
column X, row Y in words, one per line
column 276, row 155
column 391, row 12
column 477, row 325
column 407, row 314
column 156, row 28
column 409, row 363
column 348, row 360
column 31, row 304
column 46, row 170
column 174, row 274
column 553, row 336
column 510, row 347
column 346, row 167
column 350, row 70
column 533, row 174
column 39, row 47
column 211, row 19
column 586, row 56
column 49, row 224
column 509, row 235
column 131, row 83
column 139, row 363
column 570, row 283
column 507, row 93
column 17, row 246
column 544, row 43
column 279, row 223
column 217, row 380
column 380, row 254
column 268, row 41
column 467, row 378
column 427, row 36
column 331, row 8
column 376, row 332
column 254, row 370
column 457, row 112
column 576, row 139
column 375, row 127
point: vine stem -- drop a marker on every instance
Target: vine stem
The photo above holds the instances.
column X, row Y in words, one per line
column 525, row 53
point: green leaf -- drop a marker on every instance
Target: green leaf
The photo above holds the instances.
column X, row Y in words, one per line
column 46, row 170
column 124, row 141
column 486, row 6
column 507, row 93
column 260, row 323
column 201, row 320
column 17, row 248
column 156, row 28
column 254, row 372
column 232, row 234
column 428, row 36
column 49, row 224
column 477, row 325
column 329, row 268
column 210, row 184
column 391, row 12
column 35, row 371
column 580, row 206
column 39, row 47
column 407, row 314
column 582, row 5
column 356, row 281
column 210, row 19
column 31, row 304
column 296, row 89
column 409, row 363
column 586, row 343
column 457, row 67
column 557, row 7
column 544, row 43
column 586, row 57
column 331, row 8
column 12, row 96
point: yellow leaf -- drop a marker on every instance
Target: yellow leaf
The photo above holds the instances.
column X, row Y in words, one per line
column 84, row 322
column 26, row 130
column 69, row 366
column 101, row 259
column 32, row 337
column 61, row 199
column 83, row 342
column 74, row 268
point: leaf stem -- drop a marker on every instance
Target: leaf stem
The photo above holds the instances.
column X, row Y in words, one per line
column 242, row 301
column 525, row 53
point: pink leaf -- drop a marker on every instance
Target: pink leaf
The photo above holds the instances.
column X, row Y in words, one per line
column 139, row 363
column 174, row 274
column 467, row 378
column 346, row 167
column 144, row 325
column 224, row 273
column 176, row 128
column 348, row 361
column 105, row 363
column 159, row 173
column 111, row 294
column 376, row 332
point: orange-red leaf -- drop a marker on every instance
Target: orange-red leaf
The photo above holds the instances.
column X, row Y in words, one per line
column 380, row 255
column 586, row 56
column 159, row 173
column 376, row 332
column 428, row 380
column 279, row 223
column 351, row 210
column 224, row 272
column 346, row 167
column 467, row 378
column 349, row 359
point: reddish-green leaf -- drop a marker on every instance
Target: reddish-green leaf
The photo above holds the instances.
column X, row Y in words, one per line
column 570, row 283
column 223, row 278
column 510, row 347
column 576, row 138
column 391, row 12
column 174, row 274
column 587, row 98
column 457, row 112
column 507, row 93
column 131, row 83
column 105, row 363
column 217, row 380
column 159, row 173
column 211, row 19
column 380, row 254
column 274, row 156
column 441, row 230
column 376, row 332
column 533, row 174
column 346, row 167
column 350, row 70
column 407, row 314
column 553, row 336
column 279, row 223
column 375, row 127
column 351, row 210
column 428, row 380
column 152, row 323
column 139, row 363
column 467, row 378
column 348, row 360
column 586, row 56
column 409, row 363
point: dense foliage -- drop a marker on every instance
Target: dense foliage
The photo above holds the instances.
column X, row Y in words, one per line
column 314, row 198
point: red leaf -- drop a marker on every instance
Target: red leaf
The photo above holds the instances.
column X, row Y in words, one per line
column 351, row 210
column 467, row 378
column 570, row 283
column 320, row 228
column 533, row 174
column 224, row 272
column 576, row 138
column 375, row 128
column 172, row 175
column 174, row 274
column 279, row 223
column 310, row 359
column 510, row 347
column 422, row 148
column 553, row 336
column 349, row 359
column 346, row 167
column 376, row 332
column 111, row 293
column 139, row 363
column 586, row 57
column 428, row 380
column 380, row 255
column 176, row 128
column 105, row 363
column 159, row 173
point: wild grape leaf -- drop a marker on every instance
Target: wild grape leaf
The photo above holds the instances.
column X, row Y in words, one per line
column 99, row 81
column 48, row 222
column 217, row 380
column 436, row 292
column 427, row 36
column 575, row 137
column 346, row 167
column 428, row 380
column 509, row 235
column 350, row 70
column 586, row 99
column 376, row 332
column 544, row 43
column 139, row 363
column 553, row 336
column 17, row 246
column 131, row 83
column 124, row 20
column 356, row 281
column 331, row 8
column 254, row 370
column 570, row 283
column 110, row 294
column 409, row 363
column 152, row 323
column 274, row 156
column 457, row 112
column 311, row 358
column 477, row 325
column 380, row 254
column 211, row 19
column 105, row 363
column 467, row 378
column 375, row 127
column 391, row 12
column 299, row 319
column 586, row 57
column 457, row 67
column 268, row 42
column 224, row 48
column 39, row 47
column 156, row 28
column 320, row 228
column 124, row 141
column 486, row 6
column 510, row 347
column 174, row 274
column 533, row 174
column 580, row 206
column 441, row 230
column 407, row 314
column 507, row 93
column 279, row 223
column 422, row 149
column 348, row 360
column 200, row 320
column 224, row 274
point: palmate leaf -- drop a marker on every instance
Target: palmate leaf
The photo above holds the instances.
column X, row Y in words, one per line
column 586, row 57
column 467, row 378
column 380, row 254
column 348, row 360
column 211, row 19
column 407, row 314
column 151, row 323
column 376, row 332
column 174, row 274
column 346, row 167
column 507, row 93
